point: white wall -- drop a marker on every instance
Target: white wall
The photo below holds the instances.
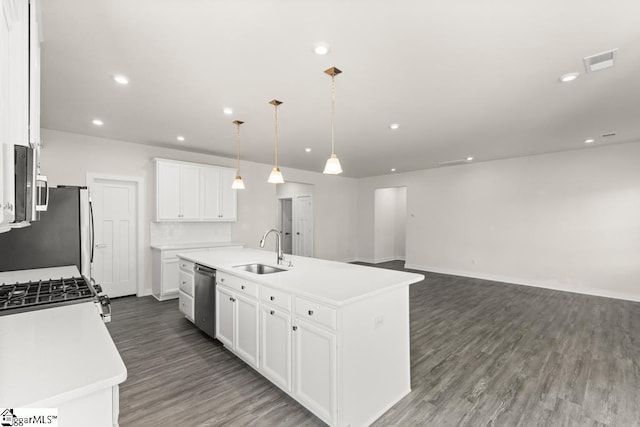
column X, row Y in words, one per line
column 390, row 206
column 67, row 158
column 568, row 221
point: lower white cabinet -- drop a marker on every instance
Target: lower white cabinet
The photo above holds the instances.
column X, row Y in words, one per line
column 237, row 323
column 314, row 362
column 275, row 346
column 166, row 266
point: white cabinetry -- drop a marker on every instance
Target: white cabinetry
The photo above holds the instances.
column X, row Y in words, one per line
column 275, row 345
column 4, row 227
column 167, row 281
column 237, row 316
column 178, row 191
column 219, row 200
column 186, row 281
column 315, row 374
column 194, row 192
column 8, row 184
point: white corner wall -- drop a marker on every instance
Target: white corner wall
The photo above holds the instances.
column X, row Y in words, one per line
column 568, row 221
column 67, row 157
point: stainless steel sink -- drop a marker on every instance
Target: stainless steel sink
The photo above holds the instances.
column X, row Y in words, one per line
column 259, row 268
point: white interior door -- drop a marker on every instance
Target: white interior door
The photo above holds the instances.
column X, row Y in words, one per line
column 303, row 219
column 115, row 258
column 286, row 225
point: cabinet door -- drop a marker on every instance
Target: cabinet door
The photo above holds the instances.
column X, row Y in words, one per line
column 34, row 74
column 170, row 277
column 247, row 329
column 3, row 227
column 168, row 191
column 314, row 364
column 228, row 196
column 190, row 192
column 225, row 308
column 5, row 22
column 210, row 194
column 275, row 346
column 19, row 73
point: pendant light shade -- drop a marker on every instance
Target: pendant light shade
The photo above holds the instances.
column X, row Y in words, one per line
column 276, row 176
column 238, row 184
column 333, row 167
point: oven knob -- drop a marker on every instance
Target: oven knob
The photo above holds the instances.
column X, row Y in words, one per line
column 98, row 288
column 104, row 300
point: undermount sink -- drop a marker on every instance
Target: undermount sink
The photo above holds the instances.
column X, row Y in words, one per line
column 259, row 268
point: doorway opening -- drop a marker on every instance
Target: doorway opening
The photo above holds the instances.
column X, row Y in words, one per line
column 295, row 217
column 390, row 219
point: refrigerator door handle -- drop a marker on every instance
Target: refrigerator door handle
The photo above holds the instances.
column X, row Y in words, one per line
column 92, row 229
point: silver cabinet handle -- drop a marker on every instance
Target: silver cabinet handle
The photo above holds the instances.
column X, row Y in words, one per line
column 272, row 298
column 242, row 286
column 222, row 279
column 272, row 312
column 310, row 312
column 295, row 328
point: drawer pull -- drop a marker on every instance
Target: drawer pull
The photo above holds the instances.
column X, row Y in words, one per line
column 184, row 283
column 310, row 312
column 242, row 287
column 295, row 328
column 272, row 312
column 232, row 299
column 272, row 298
column 222, row 279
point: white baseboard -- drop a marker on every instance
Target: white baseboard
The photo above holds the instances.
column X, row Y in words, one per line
column 527, row 282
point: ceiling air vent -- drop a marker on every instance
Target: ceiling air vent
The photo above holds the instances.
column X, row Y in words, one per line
column 608, row 134
column 601, row 61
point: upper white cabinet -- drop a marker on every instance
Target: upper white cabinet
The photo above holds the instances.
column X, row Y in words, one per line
column 194, row 192
column 220, row 202
column 34, row 75
column 14, row 73
column 8, row 184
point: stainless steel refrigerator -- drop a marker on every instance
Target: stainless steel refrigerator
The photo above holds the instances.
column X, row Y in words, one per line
column 62, row 236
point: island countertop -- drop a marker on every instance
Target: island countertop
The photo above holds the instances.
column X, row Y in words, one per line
column 332, row 282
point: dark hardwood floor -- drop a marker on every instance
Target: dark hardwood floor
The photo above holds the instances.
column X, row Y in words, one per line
column 482, row 353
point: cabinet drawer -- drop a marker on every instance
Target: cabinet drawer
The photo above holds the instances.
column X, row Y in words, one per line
column 186, row 265
column 238, row 284
column 185, row 304
column 315, row 312
column 276, row 298
column 186, row 282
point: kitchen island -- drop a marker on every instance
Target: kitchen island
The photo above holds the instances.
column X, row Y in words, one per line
column 334, row 336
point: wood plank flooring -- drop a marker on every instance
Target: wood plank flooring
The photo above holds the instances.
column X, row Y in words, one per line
column 482, row 353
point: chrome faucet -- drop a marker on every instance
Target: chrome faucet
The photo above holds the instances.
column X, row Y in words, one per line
column 278, row 243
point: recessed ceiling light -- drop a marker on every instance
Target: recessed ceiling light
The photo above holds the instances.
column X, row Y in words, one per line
column 97, row 122
column 394, row 126
column 308, row 150
column 227, row 111
column 393, row 169
column 589, row 141
column 569, row 77
column 469, row 159
column 180, row 138
column 321, row 49
column 120, row 79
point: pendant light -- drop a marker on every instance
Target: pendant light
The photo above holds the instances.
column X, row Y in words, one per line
column 238, row 184
column 332, row 167
column 276, row 176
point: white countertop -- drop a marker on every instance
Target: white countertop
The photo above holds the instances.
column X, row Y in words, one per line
column 56, row 354
column 332, row 282
column 170, row 246
column 33, row 275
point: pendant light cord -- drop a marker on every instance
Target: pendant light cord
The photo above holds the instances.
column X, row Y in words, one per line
column 333, row 110
column 238, row 149
column 276, row 137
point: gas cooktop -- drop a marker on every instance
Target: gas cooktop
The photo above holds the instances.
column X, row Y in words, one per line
column 16, row 297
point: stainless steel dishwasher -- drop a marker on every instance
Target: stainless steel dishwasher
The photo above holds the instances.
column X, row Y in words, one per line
column 205, row 300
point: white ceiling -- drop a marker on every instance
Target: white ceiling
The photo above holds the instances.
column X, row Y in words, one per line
column 463, row 78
